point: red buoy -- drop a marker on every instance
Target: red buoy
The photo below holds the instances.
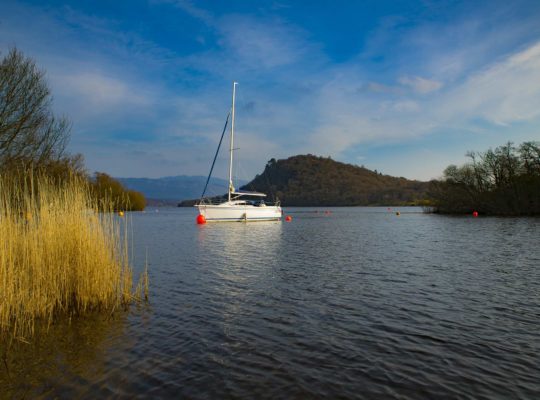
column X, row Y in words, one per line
column 475, row 214
column 201, row 219
column 288, row 218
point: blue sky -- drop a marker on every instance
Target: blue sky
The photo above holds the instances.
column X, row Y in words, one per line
column 404, row 87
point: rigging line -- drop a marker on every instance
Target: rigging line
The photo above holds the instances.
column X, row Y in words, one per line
column 215, row 157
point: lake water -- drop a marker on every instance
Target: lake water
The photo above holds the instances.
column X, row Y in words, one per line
column 356, row 303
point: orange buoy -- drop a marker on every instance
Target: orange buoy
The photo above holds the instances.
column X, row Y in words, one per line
column 201, row 219
column 475, row 214
column 288, row 218
column 121, row 213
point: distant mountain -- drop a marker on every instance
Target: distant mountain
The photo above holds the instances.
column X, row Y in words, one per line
column 308, row 180
column 176, row 187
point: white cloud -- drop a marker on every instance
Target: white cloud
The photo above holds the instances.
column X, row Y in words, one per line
column 97, row 90
column 191, row 9
column 406, row 106
column 420, row 85
column 246, row 41
column 380, row 88
column 506, row 92
column 106, row 79
column 261, row 44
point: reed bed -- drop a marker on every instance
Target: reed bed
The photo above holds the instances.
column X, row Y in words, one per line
column 59, row 255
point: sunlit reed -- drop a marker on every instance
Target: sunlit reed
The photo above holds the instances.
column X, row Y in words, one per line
column 59, row 254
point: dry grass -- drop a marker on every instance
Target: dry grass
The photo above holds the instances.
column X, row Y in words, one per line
column 59, row 255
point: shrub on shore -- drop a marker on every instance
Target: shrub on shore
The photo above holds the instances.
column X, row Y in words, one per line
column 115, row 194
column 58, row 254
column 504, row 181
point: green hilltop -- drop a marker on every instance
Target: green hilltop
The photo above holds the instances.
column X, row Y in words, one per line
column 308, row 180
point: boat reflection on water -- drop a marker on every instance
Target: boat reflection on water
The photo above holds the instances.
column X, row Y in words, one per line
column 233, row 244
column 240, row 262
column 240, row 255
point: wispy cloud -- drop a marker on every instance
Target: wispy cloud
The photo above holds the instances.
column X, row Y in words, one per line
column 261, row 44
column 99, row 91
column 420, row 85
column 417, row 78
column 505, row 92
column 190, row 8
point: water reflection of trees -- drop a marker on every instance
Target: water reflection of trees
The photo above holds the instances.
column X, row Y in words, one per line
column 61, row 361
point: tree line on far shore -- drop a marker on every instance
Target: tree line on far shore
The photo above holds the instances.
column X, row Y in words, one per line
column 33, row 140
column 503, row 181
column 500, row 181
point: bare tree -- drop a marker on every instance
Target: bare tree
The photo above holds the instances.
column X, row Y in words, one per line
column 530, row 154
column 29, row 132
column 504, row 181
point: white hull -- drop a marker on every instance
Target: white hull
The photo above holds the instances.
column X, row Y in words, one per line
column 238, row 213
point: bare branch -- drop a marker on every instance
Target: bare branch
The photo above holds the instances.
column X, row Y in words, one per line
column 29, row 132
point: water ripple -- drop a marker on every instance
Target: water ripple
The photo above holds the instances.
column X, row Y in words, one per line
column 358, row 304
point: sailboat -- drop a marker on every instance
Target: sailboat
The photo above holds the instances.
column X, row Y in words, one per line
column 238, row 206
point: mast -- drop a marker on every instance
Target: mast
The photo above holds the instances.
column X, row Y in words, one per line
column 231, row 187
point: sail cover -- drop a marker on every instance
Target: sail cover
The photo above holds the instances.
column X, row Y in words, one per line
column 244, row 193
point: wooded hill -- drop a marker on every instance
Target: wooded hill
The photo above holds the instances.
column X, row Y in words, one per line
column 308, row 180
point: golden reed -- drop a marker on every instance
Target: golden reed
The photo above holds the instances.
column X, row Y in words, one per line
column 59, row 255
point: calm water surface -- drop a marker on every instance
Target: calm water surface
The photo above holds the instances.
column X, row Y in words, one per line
column 359, row 303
